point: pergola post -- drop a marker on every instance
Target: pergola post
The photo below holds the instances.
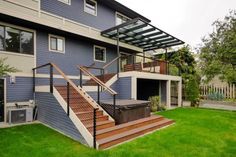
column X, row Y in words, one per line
column 118, row 51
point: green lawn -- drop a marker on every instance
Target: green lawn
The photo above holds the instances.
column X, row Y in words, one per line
column 197, row 132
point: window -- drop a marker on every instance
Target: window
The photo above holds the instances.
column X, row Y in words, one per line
column 65, row 1
column 16, row 40
column 56, row 44
column 121, row 19
column 2, row 36
column 90, row 6
column 99, row 54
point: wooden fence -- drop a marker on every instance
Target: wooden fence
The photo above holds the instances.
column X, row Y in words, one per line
column 227, row 91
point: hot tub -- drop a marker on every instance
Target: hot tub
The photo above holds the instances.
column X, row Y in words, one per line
column 127, row 110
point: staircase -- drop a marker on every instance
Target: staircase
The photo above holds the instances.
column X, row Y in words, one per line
column 84, row 111
column 83, row 107
column 108, row 134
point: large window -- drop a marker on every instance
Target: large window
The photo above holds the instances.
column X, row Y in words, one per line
column 16, row 40
column 2, row 38
column 121, row 18
column 90, row 6
column 56, row 44
column 99, row 54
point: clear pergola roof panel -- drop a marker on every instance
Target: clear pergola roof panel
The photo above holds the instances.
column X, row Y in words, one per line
column 142, row 34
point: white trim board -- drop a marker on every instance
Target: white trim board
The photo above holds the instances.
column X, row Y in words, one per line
column 146, row 75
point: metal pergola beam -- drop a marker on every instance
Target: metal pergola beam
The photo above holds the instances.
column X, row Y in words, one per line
column 148, row 38
column 130, row 30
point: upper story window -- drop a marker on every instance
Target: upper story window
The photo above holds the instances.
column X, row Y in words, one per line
column 65, row 1
column 16, row 40
column 99, row 54
column 56, row 44
column 90, row 6
column 120, row 18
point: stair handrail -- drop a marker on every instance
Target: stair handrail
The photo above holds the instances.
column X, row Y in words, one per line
column 94, row 78
column 78, row 89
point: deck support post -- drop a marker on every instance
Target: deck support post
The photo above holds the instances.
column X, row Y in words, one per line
column 180, row 94
column 168, row 94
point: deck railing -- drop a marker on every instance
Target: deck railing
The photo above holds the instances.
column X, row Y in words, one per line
column 69, row 93
column 100, row 85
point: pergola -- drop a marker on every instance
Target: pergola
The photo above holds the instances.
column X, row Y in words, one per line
column 142, row 34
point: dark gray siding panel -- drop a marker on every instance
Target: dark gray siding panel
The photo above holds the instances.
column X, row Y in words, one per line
column 21, row 91
column 52, row 114
column 163, row 91
column 77, row 52
column 123, row 88
column 105, row 16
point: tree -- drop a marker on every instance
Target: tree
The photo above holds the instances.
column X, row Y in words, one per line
column 183, row 59
column 5, row 69
column 218, row 52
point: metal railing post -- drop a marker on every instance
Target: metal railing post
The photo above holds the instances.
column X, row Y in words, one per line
column 114, row 106
column 51, row 78
column 94, row 128
column 98, row 98
column 81, row 78
column 68, row 99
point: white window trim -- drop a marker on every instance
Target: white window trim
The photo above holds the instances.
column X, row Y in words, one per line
column 89, row 12
column 117, row 13
column 65, row 2
column 49, row 43
column 105, row 54
column 23, row 29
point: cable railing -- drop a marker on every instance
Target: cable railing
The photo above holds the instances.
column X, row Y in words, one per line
column 75, row 97
column 111, row 110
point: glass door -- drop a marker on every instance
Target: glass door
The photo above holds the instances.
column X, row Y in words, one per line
column 2, row 100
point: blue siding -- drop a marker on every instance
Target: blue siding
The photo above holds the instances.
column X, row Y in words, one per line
column 21, row 91
column 121, row 86
column 77, row 52
column 105, row 16
column 51, row 113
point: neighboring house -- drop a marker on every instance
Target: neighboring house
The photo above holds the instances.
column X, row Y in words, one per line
column 76, row 36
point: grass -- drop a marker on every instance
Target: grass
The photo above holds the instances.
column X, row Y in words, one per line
column 197, row 132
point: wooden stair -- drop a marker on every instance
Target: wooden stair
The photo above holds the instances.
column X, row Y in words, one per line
column 118, row 134
column 107, row 133
column 104, row 78
column 84, row 110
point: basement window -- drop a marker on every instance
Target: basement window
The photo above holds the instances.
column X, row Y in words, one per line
column 99, row 54
column 56, row 44
column 90, row 6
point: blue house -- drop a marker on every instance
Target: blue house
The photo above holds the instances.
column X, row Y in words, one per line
column 83, row 69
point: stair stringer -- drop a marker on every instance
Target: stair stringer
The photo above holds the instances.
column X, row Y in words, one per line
column 77, row 122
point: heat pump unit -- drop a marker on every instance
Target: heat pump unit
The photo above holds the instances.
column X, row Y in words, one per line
column 20, row 115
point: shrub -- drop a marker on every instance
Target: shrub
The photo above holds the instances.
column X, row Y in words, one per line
column 192, row 91
column 154, row 103
column 215, row 96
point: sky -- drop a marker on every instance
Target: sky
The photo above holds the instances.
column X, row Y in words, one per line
column 188, row 20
